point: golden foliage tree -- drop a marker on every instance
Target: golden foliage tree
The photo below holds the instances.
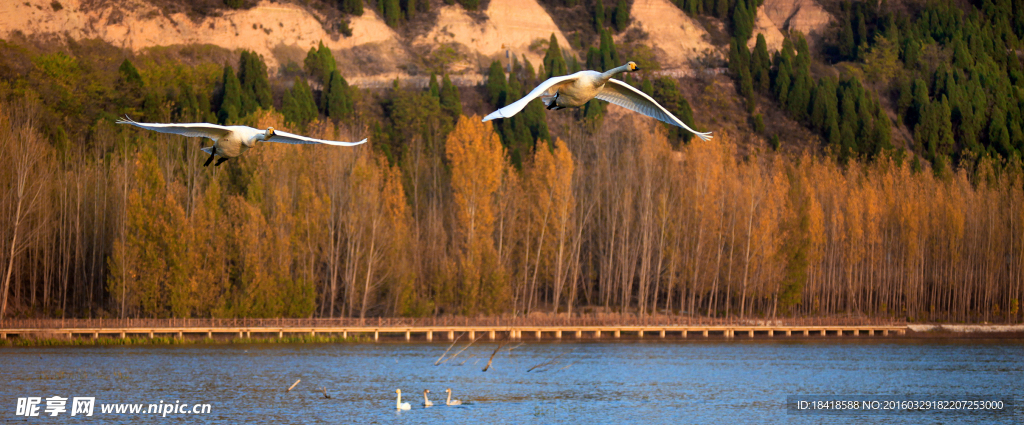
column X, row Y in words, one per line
column 475, row 154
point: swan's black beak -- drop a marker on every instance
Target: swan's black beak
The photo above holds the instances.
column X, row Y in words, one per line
column 636, row 68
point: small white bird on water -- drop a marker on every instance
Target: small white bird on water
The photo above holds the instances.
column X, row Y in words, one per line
column 232, row 140
column 451, row 402
column 575, row 90
column 399, row 405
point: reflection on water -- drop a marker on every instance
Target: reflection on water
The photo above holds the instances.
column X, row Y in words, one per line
column 592, row 382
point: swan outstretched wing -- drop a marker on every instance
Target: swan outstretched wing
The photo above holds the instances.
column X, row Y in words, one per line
column 514, row 107
column 627, row 96
column 200, row 129
column 295, row 139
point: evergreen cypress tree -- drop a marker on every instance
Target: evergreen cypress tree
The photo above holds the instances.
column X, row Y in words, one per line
column 666, row 92
column 847, row 140
column 450, row 102
column 760, row 66
column 298, row 106
column 998, row 134
column 847, row 43
column 529, row 73
column 231, row 100
column 646, row 86
column 860, row 36
column 187, row 107
column 151, row 108
column 742, row 24
column 598, row 15
column 339, row 101
column 129, row 86
column 352, row 7
column 496, row 84
column 832, row 131
column 782, row 82
column 392, row 12
column 594, row 59
column 252, row 76
column 319, row 63
column 621, row 19
column 554, row 63
column 435, row 89
column 918, row 103
column 799, row 97
column 882, row 132
column 609, row 54
column 409, row 8
column 944, row 128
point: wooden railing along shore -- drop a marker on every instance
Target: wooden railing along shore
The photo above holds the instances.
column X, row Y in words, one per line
column 595, row 325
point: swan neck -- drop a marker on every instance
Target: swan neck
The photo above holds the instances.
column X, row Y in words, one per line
column 611, row 72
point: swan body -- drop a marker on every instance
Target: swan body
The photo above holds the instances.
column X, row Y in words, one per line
column 398, row 404
column 426, row 401
column 575, row 90
column 232, row 140
column 451, row 402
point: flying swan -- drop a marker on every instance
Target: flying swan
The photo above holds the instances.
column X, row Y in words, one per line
column 426, row 401
column 232, row 140
column 451, row 402
column 399, row 405
column 573, row 91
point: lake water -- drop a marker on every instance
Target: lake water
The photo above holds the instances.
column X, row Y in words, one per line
column 592, row 382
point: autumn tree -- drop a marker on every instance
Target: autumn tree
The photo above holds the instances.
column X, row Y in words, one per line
column 475, row 155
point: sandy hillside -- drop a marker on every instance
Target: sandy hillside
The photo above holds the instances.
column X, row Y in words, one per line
column 511, row 24
column 805, row 16
column 136, row 25
column 763, row 25
column 673, row 35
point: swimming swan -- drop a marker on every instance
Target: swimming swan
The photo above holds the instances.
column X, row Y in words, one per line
column 426, row 401
column 233, row 140
column 451, row 402
column 399, row 405
column 573, row 91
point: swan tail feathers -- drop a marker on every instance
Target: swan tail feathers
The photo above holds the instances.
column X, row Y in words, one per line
column 208, row 150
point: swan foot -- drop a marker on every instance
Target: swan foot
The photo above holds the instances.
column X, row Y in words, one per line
column 219, row 161
column 213, row 151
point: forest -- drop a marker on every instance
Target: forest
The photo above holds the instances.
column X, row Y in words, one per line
column 440, row 214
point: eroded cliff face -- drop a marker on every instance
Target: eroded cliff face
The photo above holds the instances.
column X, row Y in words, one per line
column 675, row 37
column 282, row 31
column 136, row 25
column 765, row 26
column 805, row 16
column 512, row 25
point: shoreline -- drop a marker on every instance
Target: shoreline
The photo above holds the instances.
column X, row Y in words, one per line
column 57, row 337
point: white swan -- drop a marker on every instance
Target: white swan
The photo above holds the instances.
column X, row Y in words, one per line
column 573, row 91
column 399, row 405
column 233, row 140
column 426, row 401
column 451, row 402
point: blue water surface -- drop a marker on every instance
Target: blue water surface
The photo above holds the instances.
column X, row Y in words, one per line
column 648, row 381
